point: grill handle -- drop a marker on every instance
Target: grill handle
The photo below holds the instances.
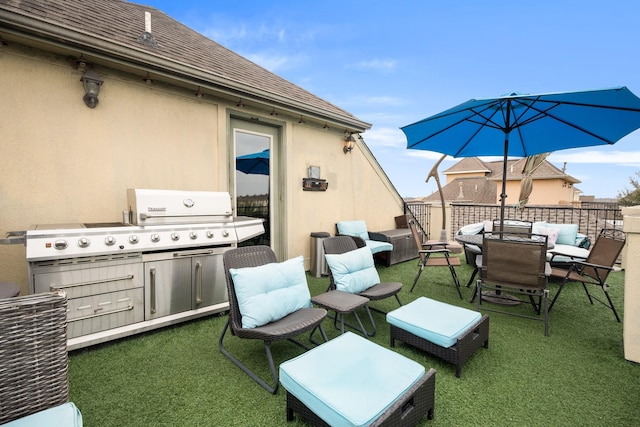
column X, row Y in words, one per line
column 198, row 271
column 152, row 296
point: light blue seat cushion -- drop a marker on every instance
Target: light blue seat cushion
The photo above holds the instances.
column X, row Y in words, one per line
column 376, row 246
column 353, row 228
column 349, row 381
column 353, row 271
column 65, row 415
column 435, row 321
column 567, row 253
column 269, row 292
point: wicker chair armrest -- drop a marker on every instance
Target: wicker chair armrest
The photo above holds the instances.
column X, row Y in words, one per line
column 379, row 237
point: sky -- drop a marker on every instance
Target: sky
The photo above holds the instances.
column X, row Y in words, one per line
column 392, row 63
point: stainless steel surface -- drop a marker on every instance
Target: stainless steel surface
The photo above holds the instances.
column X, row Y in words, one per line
column 103, row 292
column 124, row 278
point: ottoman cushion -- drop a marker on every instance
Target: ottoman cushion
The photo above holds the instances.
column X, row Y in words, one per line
column 435, row 321
column 65, row 415
column 349, row 381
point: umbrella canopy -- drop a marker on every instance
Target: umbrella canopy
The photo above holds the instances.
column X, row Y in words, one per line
column 524, row 125
column 254, row 163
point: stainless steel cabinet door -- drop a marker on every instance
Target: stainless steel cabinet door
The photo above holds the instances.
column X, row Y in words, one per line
column 167, row 287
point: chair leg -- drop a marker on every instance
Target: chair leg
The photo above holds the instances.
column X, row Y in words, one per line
column 422, row 264
column 606, row 294
column 274, row 374
column 324, row 336
column 545, row 301
column 604, row 288
column 555, row 297
column 453, row 275
column 473, row 276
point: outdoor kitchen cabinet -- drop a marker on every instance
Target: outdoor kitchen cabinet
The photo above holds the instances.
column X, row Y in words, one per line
column 180, row 281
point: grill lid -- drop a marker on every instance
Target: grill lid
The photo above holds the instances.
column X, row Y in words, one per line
column 155, row 207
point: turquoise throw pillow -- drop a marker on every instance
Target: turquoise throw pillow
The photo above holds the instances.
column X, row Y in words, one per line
column 270, row 292
column 353, row 271
column 566, row 233
column 353, row 228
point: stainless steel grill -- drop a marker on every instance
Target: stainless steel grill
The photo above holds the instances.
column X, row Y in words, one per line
column 160, row 265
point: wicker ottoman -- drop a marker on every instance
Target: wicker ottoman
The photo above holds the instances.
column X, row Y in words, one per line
column 351, row 381
column 446, row 331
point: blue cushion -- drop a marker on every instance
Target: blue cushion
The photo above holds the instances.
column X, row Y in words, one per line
column 269, row 292
column 353, row 228
column 353, row 271
column 376, row 246
column 349, row 381
column 435, row 321
column 65, row 415
column 566, row 233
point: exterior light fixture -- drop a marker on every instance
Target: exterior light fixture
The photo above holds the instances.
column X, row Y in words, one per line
column 349, row 143
column 199, row 93
column 240, row 104
column 274, row 112
column 301, row 121
column 147, row 79
column 92, row 83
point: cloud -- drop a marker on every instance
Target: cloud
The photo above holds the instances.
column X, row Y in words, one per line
column 385, row 65
column 622, row 158
column 385, row 137
column 273, row 62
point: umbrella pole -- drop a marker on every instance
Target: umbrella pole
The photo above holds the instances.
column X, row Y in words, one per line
column 503, row 195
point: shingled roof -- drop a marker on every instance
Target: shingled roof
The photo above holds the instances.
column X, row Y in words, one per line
column 115, row 30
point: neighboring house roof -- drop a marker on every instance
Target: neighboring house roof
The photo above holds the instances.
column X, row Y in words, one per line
column 471, row 189
column 484, row 189
column 115, row 29
column 468, row 165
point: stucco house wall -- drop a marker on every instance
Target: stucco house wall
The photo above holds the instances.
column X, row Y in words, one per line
column 66, row 163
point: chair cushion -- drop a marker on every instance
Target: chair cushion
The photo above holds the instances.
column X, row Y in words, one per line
column 566, row 233
column 353, row 271
column 377, row 246
column 349, row 381
column 353, row 228
column 435, row 321
column 269, row 292
column 65, row 415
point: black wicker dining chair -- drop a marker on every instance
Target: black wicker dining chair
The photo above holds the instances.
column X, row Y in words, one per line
column 286, row 328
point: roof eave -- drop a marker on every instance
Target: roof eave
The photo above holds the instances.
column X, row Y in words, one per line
column 110, row 51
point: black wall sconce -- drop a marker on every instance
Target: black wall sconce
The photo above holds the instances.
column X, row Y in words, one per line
column 349, row 143
column 92, row 83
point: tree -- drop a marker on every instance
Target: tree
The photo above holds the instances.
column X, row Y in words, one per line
column 631, row 197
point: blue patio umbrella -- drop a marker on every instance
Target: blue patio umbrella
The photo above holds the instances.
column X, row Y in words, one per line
column 254, row 163
column 519, row 125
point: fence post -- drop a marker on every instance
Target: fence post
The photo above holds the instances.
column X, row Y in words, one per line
column 631, row 255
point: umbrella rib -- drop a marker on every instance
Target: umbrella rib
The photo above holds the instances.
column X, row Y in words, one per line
column 545, row 113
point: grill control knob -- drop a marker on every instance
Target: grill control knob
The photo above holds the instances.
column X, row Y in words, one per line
column 175, row 236
column 155, row 237
column 60, row 244
column 209, row 234
column 133, row 239
column 193, row 235
column 83, row 242
column 225, row 233
column 109, row 240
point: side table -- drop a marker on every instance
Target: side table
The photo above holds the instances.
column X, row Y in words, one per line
column 344, row 303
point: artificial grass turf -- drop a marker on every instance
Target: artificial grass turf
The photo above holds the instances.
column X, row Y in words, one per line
column 177, row 376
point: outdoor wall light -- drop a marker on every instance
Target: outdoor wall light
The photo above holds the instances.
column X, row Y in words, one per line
column 92, row 83
column 199, row 93
column 240, row 104
column 349, row 143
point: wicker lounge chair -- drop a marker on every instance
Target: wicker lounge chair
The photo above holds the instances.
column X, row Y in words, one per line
column 425, row 250
column 595, row 269
column 342, row 244
column 516, row 264
column 33, row 355
column 286, row 328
